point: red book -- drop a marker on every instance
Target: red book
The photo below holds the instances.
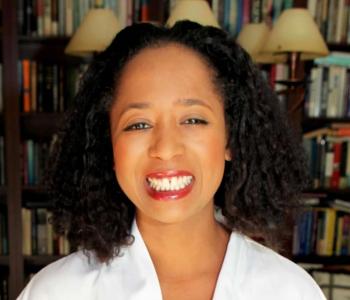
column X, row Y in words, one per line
column 335, row 179
column 144, row 11
column 26, row 85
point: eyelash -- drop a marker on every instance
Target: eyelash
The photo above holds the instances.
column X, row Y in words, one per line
column 136, row 126
column 144, row 126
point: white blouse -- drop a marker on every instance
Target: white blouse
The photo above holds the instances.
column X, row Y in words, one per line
column 249, row 271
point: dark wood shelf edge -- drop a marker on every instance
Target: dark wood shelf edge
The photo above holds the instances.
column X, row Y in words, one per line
column 323, row 193
column 35, row 197
column 339, row 47
column 4, row 260
column 309, row 124
column 40, row 125
column 40, row 260
column 324, row 260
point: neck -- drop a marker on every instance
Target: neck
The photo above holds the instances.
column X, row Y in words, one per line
column 184, row 246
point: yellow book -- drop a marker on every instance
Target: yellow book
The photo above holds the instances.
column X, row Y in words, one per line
column 339, row 236
column 26, row 231
column 330, row 230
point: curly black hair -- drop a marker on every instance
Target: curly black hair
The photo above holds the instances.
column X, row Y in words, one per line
column 261, row 184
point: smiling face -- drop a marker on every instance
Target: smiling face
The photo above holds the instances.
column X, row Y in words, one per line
column 168, row 134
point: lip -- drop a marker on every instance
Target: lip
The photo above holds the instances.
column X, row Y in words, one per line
column 169, row 195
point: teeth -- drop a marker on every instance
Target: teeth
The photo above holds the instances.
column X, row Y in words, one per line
column 169, row 184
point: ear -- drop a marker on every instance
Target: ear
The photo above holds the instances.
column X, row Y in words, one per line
column 228, row 155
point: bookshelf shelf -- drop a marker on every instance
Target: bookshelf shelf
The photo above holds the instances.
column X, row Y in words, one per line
column 40, row 260
column 324, row 260
column 46, row 49
column 332, row 193
column 2, row 195
column 40, row 126
column 1, row 124
column 35, row 197
column 339, row 47
column 310, row 124
column 4, row 261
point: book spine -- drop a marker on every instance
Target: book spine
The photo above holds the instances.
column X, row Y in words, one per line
column 335, row 179
column 26, row 85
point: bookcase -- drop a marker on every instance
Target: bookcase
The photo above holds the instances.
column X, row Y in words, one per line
column 28, row 43
column 19, row 123
column 322, row 232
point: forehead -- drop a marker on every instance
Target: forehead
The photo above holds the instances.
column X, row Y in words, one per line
column 165, row 66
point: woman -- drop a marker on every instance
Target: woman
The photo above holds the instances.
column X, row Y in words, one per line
column 169, row 126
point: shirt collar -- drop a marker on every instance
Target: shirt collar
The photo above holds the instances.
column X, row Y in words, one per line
column 145, row 278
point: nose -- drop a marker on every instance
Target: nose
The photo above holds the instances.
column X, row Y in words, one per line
column 167, row 143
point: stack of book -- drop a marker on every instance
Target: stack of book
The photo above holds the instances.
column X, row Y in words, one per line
column 333, row 19
column 328, row 152
column 38, row 235
column 323, row 231
column 334, row 284
column 34, row 161
column 47, row 87
column 329, row 91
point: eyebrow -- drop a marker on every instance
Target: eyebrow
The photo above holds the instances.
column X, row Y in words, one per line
column 182, row 102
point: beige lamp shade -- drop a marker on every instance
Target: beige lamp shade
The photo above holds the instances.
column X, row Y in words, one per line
column 252, row 38
column 193, row 10
column 94, row 34
column 296, row 31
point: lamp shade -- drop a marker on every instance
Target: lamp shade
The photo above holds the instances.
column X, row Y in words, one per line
column 296, row 31
column 94, row 34
column 252, row 38
column 194, row 10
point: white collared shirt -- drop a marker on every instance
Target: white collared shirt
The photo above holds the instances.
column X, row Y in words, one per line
column 250, row 271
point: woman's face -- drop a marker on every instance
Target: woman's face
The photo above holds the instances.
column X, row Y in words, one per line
column 168, row 134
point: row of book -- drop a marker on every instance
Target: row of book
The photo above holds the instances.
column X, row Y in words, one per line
column 333, row 19
column 62, row 18
column 334, row 285
column 329, row 90
column 38, row 236
column 328, row 152
column 47, row 87
column 232, row 14
column 3, row 232
column 2, row 161
column 323, row 231
column 34, row 160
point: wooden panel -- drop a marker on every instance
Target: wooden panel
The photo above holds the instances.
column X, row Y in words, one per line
column 12, row 147
column 40, row 126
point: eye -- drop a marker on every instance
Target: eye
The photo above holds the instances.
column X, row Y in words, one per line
column 137, row 126
column 195, row 121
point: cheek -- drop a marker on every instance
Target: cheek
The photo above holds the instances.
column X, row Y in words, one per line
column 126, row 155
column 211, row 150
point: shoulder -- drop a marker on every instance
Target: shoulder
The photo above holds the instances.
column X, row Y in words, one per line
column 63, row 278
column 272, row 274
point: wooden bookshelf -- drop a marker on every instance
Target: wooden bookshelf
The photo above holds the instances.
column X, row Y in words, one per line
column 4, row 261
column 17, row 126
column 35, row 197
column 40, row 126
column 324, row 260
column 40, row 260
column 339, row 47
column 310, row 124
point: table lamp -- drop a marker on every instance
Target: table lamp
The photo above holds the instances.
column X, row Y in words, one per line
column 194, row 10
column 252, row 39
column 94, row 34
column 296, row 34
